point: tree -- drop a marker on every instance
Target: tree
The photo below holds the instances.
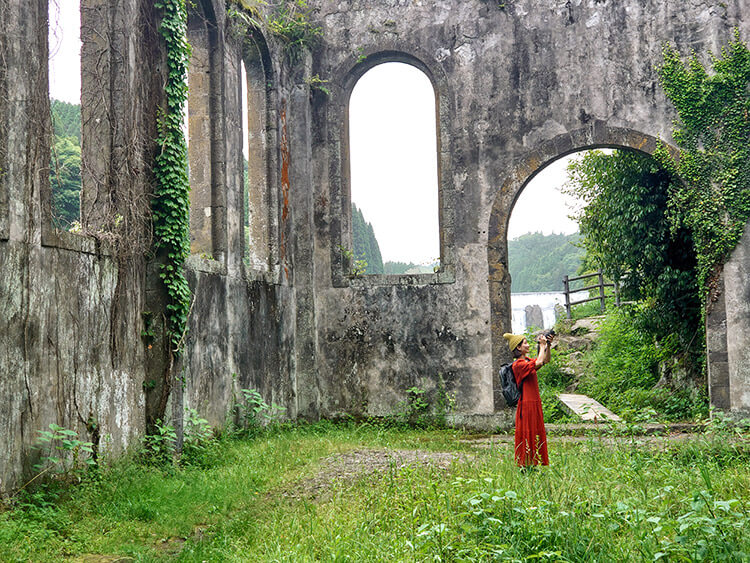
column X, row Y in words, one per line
column 65, row 163
column 66, row 119
column 65, row 181
column 626, row 231
column 365, row 244
column 538, row 262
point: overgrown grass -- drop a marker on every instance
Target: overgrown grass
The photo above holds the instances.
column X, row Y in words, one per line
column 597, row 501
column 622, row 373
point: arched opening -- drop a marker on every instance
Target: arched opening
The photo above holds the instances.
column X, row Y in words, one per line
column 205, row 216
column 393, row 156
column 64, row 40
column 258, row 220
column 542, row 249
column 629, row 231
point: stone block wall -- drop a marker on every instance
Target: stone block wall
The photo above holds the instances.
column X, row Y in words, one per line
column 727, row 327
column 70, row 347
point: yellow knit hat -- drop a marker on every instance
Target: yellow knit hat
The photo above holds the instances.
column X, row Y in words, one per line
column 513, row 340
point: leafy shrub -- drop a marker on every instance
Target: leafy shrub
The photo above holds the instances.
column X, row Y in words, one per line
column 552, row 407
column 252, row 412
column 200, row 446
column 498, row 523
column 63, row 451
column 553, row 379
column 159, row 446
column 622, row 371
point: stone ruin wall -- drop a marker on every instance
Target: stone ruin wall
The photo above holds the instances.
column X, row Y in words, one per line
column 516, row 87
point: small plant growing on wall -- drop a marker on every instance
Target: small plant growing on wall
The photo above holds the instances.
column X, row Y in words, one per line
column 63, row 452
column 290, row 21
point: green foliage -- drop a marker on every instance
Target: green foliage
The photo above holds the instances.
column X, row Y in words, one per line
column 65, row 180
column 400, row 268
column 171, row 203
column 289, row 496
column 422, row 408
column 585, row 310
column 288, row 20
column 317, row 83
column 626, row 232
column 713, row 134
column 66, row 119
column 622, row 372
column 63, row 452
column 366, row 247
column 417, row 405
column 501, row 522
column 200, row 447
column 159, row 446
column 65, row 163
column 553, row 378
column 538, row 262
column 252, row 412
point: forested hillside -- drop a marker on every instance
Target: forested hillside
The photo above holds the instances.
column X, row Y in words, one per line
column 65, row 163
column 408, row 268
column 365, row 244
column 66, row 119
column 538, row 262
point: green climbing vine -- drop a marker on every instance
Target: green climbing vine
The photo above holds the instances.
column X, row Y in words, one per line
column 171, row 203
column 713, row 134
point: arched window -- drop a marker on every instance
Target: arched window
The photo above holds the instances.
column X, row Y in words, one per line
column 394, row 172
column 64, row 40
column 199, row 115
column 258, row 224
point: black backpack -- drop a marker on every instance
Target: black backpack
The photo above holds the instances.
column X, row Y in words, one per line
column 510, row 389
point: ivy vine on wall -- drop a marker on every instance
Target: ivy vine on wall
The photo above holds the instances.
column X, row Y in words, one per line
column 171, row 202
column 713, row 134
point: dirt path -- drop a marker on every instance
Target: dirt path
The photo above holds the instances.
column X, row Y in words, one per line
column 350, row 466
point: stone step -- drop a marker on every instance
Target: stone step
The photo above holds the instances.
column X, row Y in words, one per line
column 587, row 408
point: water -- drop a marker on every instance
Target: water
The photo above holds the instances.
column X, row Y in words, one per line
column 546, row 300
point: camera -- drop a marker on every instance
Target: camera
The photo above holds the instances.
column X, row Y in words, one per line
column 549, row 334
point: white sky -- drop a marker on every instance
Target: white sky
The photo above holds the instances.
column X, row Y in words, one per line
column 393, row 144
column 542, row 207
column 65, row 50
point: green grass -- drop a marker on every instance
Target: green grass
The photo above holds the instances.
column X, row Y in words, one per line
column 597, row 501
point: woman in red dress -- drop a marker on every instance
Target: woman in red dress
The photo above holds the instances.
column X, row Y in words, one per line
column 531, row 437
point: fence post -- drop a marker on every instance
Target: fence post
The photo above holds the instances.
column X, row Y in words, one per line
column 601, row 290
column 566, row 289
column 617, row 293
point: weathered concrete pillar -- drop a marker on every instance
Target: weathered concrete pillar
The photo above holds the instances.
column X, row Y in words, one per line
column 728, row 333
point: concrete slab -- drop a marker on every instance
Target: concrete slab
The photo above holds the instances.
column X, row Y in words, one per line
column 587, row 408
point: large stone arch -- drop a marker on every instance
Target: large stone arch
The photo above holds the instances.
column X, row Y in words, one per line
column 598, row 135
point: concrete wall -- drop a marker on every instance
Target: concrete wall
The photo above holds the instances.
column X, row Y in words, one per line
column 727, row 327
column 517, row 86
column 81, row 338
column 70, row 350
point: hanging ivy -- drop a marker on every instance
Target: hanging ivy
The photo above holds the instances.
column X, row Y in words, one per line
column 713, row 134
column 171, row 203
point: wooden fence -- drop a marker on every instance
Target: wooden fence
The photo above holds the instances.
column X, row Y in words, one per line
column 599, row 285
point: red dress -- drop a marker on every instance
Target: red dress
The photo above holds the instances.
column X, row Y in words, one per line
column 531, row 437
